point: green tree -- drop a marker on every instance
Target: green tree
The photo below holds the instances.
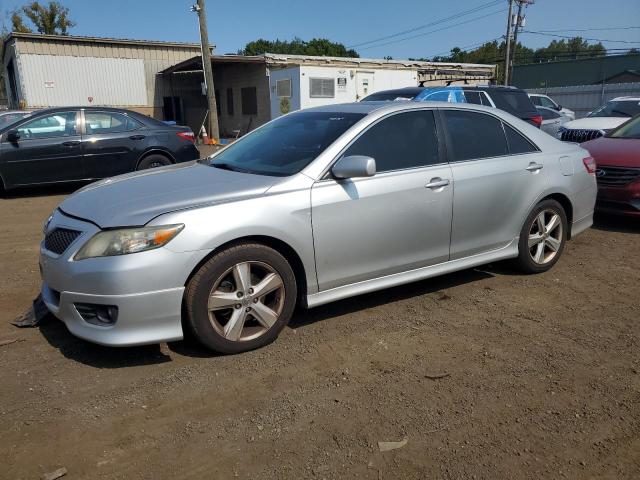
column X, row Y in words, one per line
column 51, row 19
column 316, row 46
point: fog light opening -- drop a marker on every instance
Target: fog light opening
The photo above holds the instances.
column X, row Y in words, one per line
column 101, row 315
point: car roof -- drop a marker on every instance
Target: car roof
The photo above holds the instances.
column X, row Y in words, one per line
column 388, row 107
column 86, row 108
column 627, row 99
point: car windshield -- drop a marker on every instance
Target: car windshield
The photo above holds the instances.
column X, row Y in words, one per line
column 286, row 145
column 9, row 118
column 389, row 96
column 630, row 129
column 618, row 108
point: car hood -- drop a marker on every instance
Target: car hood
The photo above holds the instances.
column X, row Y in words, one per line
column 615, row 152
column 595, row 123
column 136, row 198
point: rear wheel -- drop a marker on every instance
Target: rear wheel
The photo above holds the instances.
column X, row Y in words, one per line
column 241, row 298
column 154, row 160
column 543, row 237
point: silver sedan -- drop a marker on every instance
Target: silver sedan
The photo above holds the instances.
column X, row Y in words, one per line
column 313, row 207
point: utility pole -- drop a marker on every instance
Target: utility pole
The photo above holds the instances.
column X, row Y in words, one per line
column 518, row 24
column 508, row 39
column 213, row 130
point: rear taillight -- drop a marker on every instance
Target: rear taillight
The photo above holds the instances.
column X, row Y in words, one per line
column 590, row 165
column 187, row 136
column 537, row 119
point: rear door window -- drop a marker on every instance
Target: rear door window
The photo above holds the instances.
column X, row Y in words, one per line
column 473, row 135
column 108, row 122
column 404, row 140
column 518, row 143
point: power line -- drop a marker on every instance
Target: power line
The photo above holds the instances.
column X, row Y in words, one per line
column 431, row 24
column 434, row 31
column 584, row 38
column 589, row 29
column 466, row 48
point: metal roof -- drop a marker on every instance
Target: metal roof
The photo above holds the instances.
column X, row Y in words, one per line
column 273, row 59
column 81, row 39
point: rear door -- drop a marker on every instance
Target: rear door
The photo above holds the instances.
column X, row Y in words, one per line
column 397, row 220
column 111, row 143
column 498, row 174
column 47, row 151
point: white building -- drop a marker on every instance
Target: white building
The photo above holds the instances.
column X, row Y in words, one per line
column 252, row 90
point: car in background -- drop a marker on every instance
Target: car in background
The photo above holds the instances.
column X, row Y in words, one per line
column 552, row 120
column 7, row 117
column 313, row 207
column 617, row 158
column 87, row 143
column 540, row 100
column 601, row 121
column 509, row 99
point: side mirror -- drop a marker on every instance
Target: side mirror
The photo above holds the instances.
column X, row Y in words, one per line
column 354, row 166
column 559, row 107
column 13, row 136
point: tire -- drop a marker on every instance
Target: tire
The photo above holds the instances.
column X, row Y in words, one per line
column 154, row 160
column 224, row 308
column 547, row 244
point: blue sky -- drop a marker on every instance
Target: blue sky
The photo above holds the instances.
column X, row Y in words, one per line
column 347, row 21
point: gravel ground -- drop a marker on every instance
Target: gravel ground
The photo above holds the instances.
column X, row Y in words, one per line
column 487, row 374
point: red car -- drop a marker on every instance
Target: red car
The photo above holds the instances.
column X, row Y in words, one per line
column 617, row 159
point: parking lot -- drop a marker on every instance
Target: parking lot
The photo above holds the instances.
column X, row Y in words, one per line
column 486, row 373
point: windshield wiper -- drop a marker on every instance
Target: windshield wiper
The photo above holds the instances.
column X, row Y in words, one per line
column 225, row 166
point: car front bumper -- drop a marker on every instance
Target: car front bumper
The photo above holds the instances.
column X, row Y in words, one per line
column 623, row 200
column 146, row 287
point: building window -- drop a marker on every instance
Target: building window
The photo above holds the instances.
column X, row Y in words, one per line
column 322, row 88
column 249, row 101
column 230, row 101
column 283, row 87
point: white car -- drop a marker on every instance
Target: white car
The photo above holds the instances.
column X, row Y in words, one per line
column 601, row 121
column 540, row 100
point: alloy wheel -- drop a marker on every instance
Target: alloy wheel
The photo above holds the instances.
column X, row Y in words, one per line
column 246, row 301
column 545, row 236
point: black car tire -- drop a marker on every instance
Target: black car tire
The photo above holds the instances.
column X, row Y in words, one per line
column 199, row 289
column 154, row 160
column 525, row 260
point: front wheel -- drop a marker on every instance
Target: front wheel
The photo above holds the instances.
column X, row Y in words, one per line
column 241, row 298
column 543, row 237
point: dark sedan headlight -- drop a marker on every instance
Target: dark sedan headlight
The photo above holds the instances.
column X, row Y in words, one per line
column 128, row 240
column 561, row 130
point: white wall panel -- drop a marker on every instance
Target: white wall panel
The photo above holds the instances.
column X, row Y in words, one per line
column 52, row 80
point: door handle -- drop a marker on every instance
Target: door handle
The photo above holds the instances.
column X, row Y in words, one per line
column 436, row 183
column 136, row 137
column 534, row 167
column 71, row 143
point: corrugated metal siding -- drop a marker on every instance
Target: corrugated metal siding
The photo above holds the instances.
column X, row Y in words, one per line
column 583, row 99
column 110, row 81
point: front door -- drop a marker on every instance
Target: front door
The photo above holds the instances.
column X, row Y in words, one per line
column 498, row 176
column 397, row 220
column 48, row 150
column 364, row 84
column 111, row 143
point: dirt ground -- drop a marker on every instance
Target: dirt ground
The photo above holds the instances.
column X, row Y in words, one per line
column 543, row 380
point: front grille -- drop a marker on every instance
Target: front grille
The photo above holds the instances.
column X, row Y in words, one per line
column 579, row 136
column 58, row 240
column 616, row 176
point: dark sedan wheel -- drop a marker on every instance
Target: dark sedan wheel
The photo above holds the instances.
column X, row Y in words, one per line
column 153, row 161
column 543, row 237
column 241, row 298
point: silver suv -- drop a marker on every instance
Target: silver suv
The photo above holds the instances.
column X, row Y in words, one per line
column 313, row 207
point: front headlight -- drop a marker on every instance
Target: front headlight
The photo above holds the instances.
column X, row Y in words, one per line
column 128, row 240
column 560, row 131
